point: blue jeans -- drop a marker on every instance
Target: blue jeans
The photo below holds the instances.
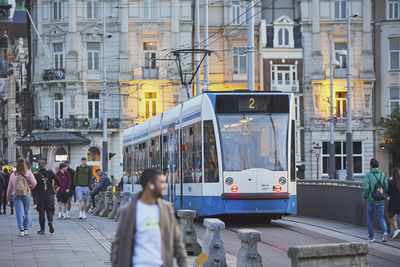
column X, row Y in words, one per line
column 22, row 212
column 380, row 208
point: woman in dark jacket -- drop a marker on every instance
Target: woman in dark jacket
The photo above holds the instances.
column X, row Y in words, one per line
column 394, row 202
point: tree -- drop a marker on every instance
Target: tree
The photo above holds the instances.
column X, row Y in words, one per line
column 392, row 129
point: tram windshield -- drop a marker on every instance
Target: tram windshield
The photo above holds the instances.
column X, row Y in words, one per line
column 256, row 140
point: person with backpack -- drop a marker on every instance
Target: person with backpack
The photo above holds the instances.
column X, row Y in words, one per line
column 394, row 202
column 45, row 196
column 103, row 184
column 19, row 187
column 82, row 182
column 374, row 189
column 6, row 176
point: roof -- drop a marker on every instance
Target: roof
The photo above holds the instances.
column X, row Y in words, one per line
column 53, row 138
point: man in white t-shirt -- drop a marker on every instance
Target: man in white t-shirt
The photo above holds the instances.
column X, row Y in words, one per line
column 147, row 233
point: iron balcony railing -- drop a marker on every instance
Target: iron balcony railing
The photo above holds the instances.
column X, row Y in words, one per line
column 72, row 123
column 53, row 74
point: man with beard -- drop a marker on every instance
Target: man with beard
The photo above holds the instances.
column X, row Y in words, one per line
column 145, row 217
column 45, row 195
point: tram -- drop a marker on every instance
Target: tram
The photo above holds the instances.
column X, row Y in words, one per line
column 223, row 153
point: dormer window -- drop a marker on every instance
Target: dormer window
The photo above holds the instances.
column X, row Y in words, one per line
column 283, row 32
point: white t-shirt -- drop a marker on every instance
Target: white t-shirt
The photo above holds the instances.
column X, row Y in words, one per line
column 147, row 251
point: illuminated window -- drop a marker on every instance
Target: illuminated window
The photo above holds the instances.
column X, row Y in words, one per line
column 93, row 105
column 58, row 106
column 93, row 154
column 340, row 9
column 341, row 104
column 393, row 9
column 150, row 104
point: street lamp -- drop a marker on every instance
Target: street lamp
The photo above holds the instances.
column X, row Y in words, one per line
column 349, row 136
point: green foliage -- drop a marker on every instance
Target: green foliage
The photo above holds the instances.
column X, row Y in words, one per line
column 392, row 129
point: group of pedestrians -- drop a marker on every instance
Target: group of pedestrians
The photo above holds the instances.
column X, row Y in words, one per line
column 375, row 189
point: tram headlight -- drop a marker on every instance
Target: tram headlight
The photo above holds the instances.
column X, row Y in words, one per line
column 282, row 180
column 229, row 181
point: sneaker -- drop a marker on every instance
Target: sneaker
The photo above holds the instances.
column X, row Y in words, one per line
column 41, row 232
column 384, row 237
column 65, row 216
column 59, row 215
column 12, row 212
column 80, row 215
column 68, row 216
column 396, row 233
column 371, row 240
column 26, row 232
column 21, row 233
column 84, row 215
column 35, row 207
column 51, row 228
column 4, row 212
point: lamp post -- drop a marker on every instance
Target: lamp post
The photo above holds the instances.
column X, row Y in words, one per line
column 349, row 136
column 332, row 168
column 317, row 149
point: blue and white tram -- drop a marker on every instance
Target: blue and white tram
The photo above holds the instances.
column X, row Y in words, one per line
column 222, row 153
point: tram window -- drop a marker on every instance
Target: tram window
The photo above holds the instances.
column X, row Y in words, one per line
column 211, row 172
column 191, row 153
column 176, row 162
column 165, row 155
column 155, row 153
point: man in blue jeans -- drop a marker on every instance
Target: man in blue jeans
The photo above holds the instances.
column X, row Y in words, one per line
column 368, row 185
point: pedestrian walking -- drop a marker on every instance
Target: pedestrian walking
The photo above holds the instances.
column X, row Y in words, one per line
column 63, row 191
column 45, row 195
column 21, row 183
column 83, row 181
column 394, row 202
column 155, row 238
column 104, row 182
column 6, row 176
column 374, row 188
column 72, row 190
column 2, row 191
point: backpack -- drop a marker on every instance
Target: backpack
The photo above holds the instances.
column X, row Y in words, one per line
column 378, row 193
column 21, row 186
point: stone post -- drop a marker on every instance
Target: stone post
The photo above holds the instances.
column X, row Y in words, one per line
column 188, row 231
column 213, row 245
column 116, row 203
column 99, row 204
column 108, row 204
column 248, row 255
column 340, row 254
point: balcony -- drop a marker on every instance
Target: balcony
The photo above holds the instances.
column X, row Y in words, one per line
column 340, row 73
column 285, row 86
column 149, row 74
column 72, row 123
column 53, row 74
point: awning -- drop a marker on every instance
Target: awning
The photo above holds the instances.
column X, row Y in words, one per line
column 54, row 138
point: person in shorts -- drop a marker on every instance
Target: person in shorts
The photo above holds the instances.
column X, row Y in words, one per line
column 82, row 182
column 63, row 191
column 72, row 190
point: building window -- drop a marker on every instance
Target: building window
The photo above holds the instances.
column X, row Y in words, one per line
column 93, row 50
column 57, row 10
column 394, row 51
column 283, row 37
column 58, row 106
column 150, row 104
column 93, row 105
column 339, row 47
column 93, row 154
column 283, row 77
column 340, row 9
column 239, row 60
column 341, row 104
column 150, row 55
column 393, row 9
column 149, row 9
column 235, row 13
column 92, row 9
column 58, row 55
column 394, row 99
column 340, row 157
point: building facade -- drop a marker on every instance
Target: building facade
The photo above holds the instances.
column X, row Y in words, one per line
column 322, row 21
column 387, row 58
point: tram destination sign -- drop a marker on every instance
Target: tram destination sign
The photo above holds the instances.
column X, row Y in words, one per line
column 252, row 104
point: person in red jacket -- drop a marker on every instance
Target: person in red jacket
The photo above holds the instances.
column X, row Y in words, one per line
column 63, row 191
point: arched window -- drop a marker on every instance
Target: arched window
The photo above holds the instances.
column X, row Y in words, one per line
column 61, row 154
column 93, row 154
column 283, row 35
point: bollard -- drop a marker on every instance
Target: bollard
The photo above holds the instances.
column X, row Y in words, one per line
column 248, row 255
column 188, row 231
column 108, row 204
column 213, row 253
column 116, row 203
column 100, row 204
column 340, row 254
